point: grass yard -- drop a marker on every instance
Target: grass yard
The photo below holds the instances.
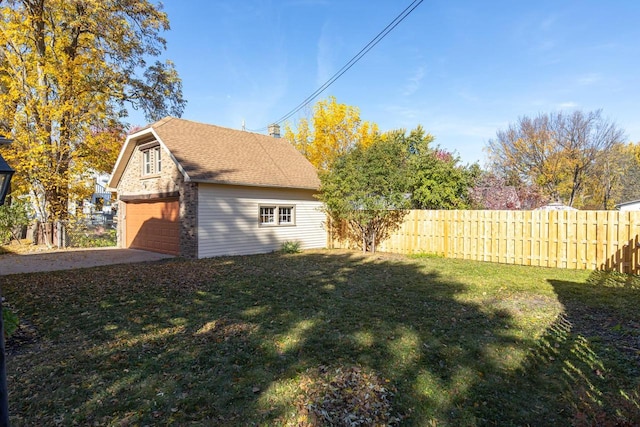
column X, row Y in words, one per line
column 317, row 337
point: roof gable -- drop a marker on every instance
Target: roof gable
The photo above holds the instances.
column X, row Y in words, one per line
column 214, row 154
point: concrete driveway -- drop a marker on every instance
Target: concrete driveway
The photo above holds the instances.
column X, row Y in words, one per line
column 70, row 259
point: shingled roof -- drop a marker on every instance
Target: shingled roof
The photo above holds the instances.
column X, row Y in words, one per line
column 213, row 154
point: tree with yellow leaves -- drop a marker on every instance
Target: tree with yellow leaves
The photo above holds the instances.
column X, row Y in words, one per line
column 68, row 71
column 617, row 176
column 334, row 130
column 560, row 153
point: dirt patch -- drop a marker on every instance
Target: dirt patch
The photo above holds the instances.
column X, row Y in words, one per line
column 22, row 338
column 526, row 303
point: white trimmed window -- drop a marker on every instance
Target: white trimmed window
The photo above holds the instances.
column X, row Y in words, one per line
column 285, row 215
column 277, row 215
column 267, row 215
column 151, row 160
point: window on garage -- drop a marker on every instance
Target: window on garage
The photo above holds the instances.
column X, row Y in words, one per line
column 151, row 159
column 277, row 215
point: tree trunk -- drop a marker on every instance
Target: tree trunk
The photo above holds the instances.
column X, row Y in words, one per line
column 373, row 242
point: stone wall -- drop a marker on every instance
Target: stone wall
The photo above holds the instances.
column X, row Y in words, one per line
column 189, row 220
column 132, row 182
column 168, row 183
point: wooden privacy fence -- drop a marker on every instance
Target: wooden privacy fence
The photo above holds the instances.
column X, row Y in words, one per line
column 565, row 239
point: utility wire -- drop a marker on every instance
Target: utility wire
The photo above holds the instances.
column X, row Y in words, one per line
column 381, row 35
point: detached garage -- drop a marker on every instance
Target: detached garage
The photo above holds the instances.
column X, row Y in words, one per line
column 198, row 190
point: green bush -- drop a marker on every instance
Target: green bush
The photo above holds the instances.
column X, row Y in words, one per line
column 11, row 322
column 91, row 238
column 290, row 247
column 81, row 233
column 13, row 216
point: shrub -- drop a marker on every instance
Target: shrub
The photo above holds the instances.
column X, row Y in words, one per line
column 13, row 216
column 89, row 239
column 11, row 322
column 82, row 234
column 290, row 247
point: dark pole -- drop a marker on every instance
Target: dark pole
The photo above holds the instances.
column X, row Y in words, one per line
column 4, row 391
column 5, row 178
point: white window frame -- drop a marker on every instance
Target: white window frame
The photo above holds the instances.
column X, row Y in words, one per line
column 285, row 215
column 268, row 215
column 157, row 159
column 151, row 160
column 146, row 162
column 277, row 215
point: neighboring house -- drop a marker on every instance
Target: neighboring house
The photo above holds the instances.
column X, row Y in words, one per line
column 199, row 190
column 100, row 202
column 633, row 205
column 101, row 197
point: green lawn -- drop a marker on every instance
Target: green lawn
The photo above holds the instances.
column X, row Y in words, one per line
column 289, row 339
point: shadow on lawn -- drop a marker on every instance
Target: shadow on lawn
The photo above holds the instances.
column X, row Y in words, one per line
column 230, row 341
column 598, row 341
column 588, row 360
column 337, row 311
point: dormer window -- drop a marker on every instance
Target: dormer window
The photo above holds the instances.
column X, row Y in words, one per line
column 151, row 159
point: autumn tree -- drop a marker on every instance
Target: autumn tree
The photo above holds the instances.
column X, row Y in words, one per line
column 495, row 192
column 557, row 152
column 333, row 130
column 631, row 177
column 615, row 180
column 69, row 69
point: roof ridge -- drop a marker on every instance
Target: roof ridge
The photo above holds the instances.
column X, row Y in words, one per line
column 195, row 122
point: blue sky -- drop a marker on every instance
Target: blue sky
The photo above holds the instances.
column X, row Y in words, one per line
column 461, row 69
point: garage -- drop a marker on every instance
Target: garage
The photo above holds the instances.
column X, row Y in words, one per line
column 198, row 190
column 153, row 226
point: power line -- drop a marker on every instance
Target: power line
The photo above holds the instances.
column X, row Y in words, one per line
column 381, row 35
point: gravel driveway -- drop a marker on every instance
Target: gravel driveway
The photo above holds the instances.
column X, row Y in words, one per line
column 72, row 259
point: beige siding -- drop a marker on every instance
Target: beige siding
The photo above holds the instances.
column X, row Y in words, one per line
column 228, row 220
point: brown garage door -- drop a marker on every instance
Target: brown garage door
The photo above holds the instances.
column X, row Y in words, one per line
column 153, row 226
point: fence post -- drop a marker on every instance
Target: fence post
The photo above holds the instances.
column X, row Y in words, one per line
column 60, row 235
